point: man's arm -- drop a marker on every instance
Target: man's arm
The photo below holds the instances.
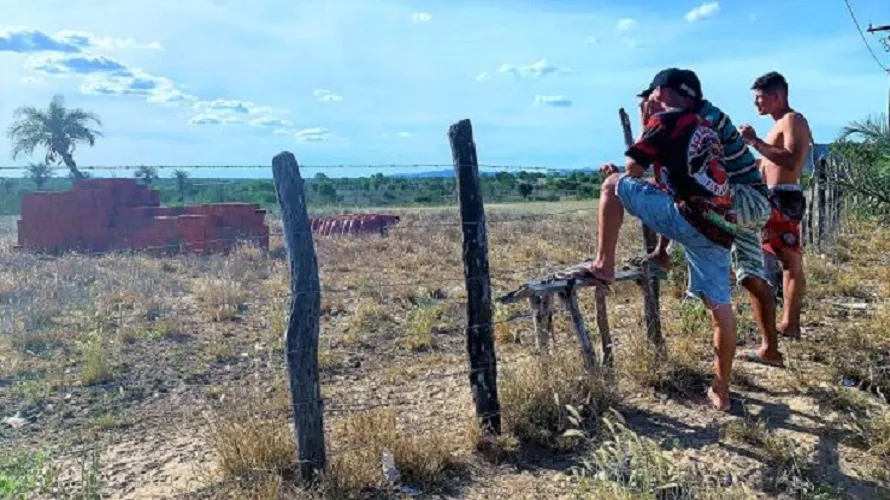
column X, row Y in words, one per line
column 640, row 156
column 796, row 141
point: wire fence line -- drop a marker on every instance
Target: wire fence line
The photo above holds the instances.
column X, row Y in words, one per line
column 380, row 166
column 405, row 396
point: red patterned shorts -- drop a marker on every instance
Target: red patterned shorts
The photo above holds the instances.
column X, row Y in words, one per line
column 782, row 230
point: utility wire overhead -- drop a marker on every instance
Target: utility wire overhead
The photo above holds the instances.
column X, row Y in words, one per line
column 862, row 35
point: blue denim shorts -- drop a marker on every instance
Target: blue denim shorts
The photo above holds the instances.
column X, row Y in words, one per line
column 708, row 262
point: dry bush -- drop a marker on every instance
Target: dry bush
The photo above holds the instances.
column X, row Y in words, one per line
column 536, row 395
column 249, row 443
column 221, row 299
column 419, row 331
column 361, row 441
column 626, row 465
column 95, row 363
column 789, row 468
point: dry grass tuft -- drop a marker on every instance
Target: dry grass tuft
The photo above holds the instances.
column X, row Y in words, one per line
column 422, row 322
column 543, row 397
column 789, row 468
column 247, row 444
column 364, row 441
column 96, row 367
column 626, row 465
column 221, row 299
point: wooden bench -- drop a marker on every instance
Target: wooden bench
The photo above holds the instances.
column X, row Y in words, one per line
column 539, row 292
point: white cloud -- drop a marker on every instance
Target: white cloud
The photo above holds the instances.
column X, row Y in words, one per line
column 626, row 25
column 314, row 134
column 78, row 64
column 556, row 101
column 404, row 135
column 421, row 17
column 230, row 105
column 625, row 28
column 26, row 40
column 483, row 77
column 88, row 40
column 33, row 80
column 271, row 122
column 537, row 69
column 326, row 95
column 703, row 11
column 205, row 120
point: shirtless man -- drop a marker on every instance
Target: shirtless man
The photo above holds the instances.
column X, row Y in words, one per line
column 784, row 151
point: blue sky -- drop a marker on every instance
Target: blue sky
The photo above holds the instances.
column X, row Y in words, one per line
column 217, row 82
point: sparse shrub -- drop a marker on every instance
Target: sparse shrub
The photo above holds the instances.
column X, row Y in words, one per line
column 628, row 466
column 420, row 327
column 369, row 316
column 221, row 299
column 535, row 394
column 96, row 367
column 250, row 444
column 362, row 440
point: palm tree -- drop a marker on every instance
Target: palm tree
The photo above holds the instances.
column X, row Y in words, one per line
column 866, row 165
column 57, row 129
column 146, row 174
column 874, row 130
column 182, row 178
column 39, row 173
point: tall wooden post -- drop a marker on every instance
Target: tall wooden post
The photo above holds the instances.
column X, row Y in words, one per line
column 651, row 288
column 480, row 341
column 301, row 337
column 820, row 202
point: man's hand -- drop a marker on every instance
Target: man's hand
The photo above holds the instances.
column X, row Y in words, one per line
column 748, row 134
column 608, row 169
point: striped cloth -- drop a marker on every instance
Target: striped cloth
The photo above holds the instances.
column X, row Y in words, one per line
column 749, row 194
column 741, row 167
column 753, row 211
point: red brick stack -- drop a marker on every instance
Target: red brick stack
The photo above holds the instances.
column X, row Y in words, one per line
column 101, row 215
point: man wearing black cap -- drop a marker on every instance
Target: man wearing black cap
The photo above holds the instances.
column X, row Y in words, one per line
column 681, row 88
column 690, row 202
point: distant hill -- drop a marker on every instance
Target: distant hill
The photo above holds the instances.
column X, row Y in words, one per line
column 448, row 173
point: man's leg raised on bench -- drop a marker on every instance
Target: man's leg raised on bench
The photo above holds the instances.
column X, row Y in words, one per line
column 709, row 266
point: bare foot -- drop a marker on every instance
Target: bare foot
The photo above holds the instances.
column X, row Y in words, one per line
column 720, row 402
column 772, row 355
column 602, row 273
column 764, row 356
column 595, row 272
column 787, row 331
column 661, row 258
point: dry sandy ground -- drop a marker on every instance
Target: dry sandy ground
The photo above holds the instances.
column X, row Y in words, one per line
column 166, row 365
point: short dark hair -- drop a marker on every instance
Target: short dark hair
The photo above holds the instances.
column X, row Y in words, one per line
column 770, row 82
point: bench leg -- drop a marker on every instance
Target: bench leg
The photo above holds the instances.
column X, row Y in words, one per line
column 602, row 324
column 571, row 302
column 543, row 321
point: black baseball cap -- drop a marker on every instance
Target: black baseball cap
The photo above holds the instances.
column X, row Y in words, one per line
column 683, row 81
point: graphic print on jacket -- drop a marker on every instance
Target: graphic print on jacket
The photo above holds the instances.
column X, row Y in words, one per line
column 688, row 159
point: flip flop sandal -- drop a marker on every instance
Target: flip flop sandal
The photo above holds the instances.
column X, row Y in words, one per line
column 654, row 269
column 752, row 356
column 581, row 273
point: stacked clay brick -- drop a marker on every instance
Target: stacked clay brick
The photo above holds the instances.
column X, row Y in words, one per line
column 353, row 224
column 101, row 215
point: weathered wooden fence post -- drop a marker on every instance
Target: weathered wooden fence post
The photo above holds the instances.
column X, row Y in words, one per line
column 480, row 341
column 301, row 338
column 820, row 177
column 651, row 288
